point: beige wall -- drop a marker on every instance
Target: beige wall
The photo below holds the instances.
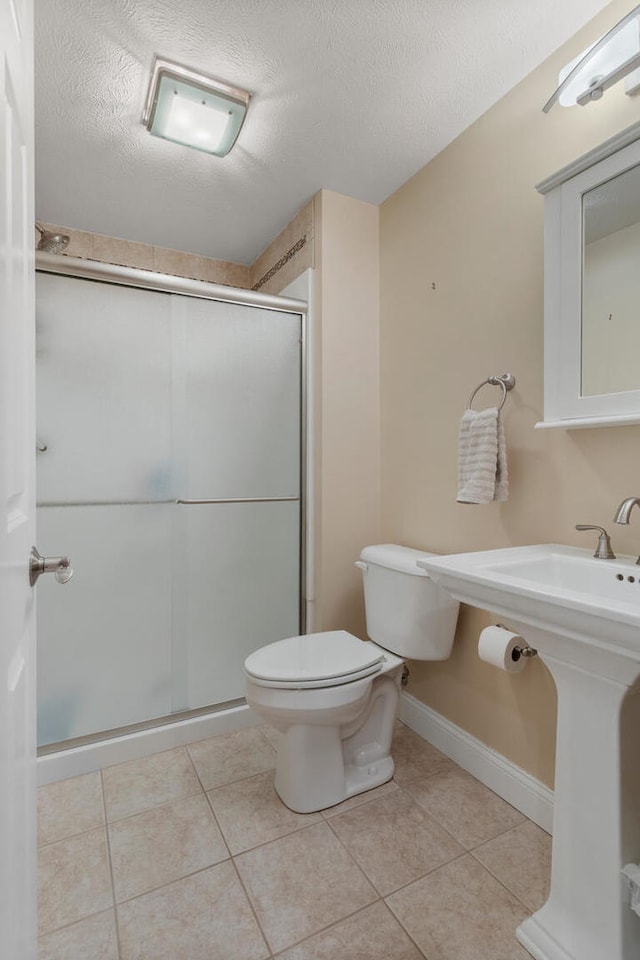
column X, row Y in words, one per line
column 347, row 423
column 471, row 224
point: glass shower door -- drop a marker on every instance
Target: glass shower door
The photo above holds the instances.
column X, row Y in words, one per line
column 171, row 476
column 237, row 417
column 104, row 400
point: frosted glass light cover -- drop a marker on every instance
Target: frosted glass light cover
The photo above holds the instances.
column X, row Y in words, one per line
column 194, row 123
column 620, row 48
column 194, row 109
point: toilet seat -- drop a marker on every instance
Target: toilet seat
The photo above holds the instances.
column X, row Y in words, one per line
column 314, row 660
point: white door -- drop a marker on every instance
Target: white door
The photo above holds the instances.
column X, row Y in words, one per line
column 17, row 509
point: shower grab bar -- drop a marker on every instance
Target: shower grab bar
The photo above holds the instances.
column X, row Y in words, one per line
column 135, row 503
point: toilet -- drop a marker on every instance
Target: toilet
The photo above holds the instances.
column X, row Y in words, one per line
column 333, row 697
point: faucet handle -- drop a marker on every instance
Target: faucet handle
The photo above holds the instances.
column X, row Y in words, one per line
column 603, row 550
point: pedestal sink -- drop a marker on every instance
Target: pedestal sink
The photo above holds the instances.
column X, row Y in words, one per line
column 582, row 615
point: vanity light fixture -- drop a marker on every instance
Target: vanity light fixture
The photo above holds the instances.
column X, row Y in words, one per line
column 614, row 56
column 194, row 109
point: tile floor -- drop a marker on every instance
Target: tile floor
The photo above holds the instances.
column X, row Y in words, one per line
column 190, row 855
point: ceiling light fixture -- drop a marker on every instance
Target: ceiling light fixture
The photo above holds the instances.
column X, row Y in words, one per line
column 194, row 109
column 612, row 57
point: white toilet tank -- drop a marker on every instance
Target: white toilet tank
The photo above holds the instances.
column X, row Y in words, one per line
column 407, row 613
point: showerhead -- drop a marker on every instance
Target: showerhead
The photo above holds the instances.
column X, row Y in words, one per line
column 51, row 242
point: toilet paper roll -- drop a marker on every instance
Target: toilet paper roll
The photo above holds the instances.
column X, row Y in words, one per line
column 499, row 647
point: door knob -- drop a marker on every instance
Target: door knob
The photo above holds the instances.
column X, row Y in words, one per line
column 60, row 566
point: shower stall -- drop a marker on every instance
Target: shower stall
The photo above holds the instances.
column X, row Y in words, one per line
column 170, row 468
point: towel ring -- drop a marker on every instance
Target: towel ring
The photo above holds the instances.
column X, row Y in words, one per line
column 507, row 381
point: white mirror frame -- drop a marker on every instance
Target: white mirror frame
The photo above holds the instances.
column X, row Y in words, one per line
column 563, row 256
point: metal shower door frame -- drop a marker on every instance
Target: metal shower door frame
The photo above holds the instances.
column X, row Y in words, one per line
column 200, row 289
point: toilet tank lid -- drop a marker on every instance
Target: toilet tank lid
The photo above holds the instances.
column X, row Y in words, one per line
column 395, row 557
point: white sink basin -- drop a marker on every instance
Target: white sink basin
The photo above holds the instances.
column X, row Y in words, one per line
column 582, row 615
column 565, row 571
column 560, row 589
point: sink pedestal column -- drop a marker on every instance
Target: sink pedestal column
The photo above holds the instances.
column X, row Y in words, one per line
column 594, row 832
column 582, row 615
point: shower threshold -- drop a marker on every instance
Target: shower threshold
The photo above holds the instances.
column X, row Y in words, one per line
column 69, row 758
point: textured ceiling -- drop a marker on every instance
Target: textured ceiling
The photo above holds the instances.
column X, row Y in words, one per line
column 351, row 95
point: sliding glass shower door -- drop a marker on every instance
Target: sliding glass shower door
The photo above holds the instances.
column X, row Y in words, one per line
column 171, row 477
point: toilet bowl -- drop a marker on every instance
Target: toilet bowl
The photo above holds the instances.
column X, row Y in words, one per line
column 335, row 716
column 333, row 697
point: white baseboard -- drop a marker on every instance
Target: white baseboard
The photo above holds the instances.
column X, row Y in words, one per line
column 520, row 789
column 132, row 746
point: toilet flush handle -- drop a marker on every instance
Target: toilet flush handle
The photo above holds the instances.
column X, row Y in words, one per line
column 361, row 565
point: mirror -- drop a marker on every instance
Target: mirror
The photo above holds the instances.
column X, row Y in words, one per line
column 592, row 287
column 611, row 286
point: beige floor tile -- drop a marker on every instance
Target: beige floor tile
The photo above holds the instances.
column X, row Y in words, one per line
column 414, row 757
column 460, row 912
column 394, row 841
column 91, row 939
column 203, row 917
column 466, row 808
column 301, row 884
column 160, row 845
column 74, row 880
column 139, row 785
column 70, row 807
column 372, row 934
column 304, row 873
column 521, row 859
column 233, row 756
column 389, row 787
column 250, row 812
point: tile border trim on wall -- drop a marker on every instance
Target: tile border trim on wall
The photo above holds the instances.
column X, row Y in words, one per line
column 280, row 263
column 527, row 794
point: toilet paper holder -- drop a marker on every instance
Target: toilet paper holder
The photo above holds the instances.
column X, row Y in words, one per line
column 517, row 652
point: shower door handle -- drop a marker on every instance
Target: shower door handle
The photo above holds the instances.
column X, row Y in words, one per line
column 60, row 566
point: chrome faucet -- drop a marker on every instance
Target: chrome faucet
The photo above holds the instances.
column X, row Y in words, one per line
column 625, row 508
column 603, row 550
column 623, row 511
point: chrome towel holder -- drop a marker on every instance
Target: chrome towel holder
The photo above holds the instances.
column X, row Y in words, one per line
column 506, row 380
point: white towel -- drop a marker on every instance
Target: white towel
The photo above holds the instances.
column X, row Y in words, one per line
column 482, row 458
